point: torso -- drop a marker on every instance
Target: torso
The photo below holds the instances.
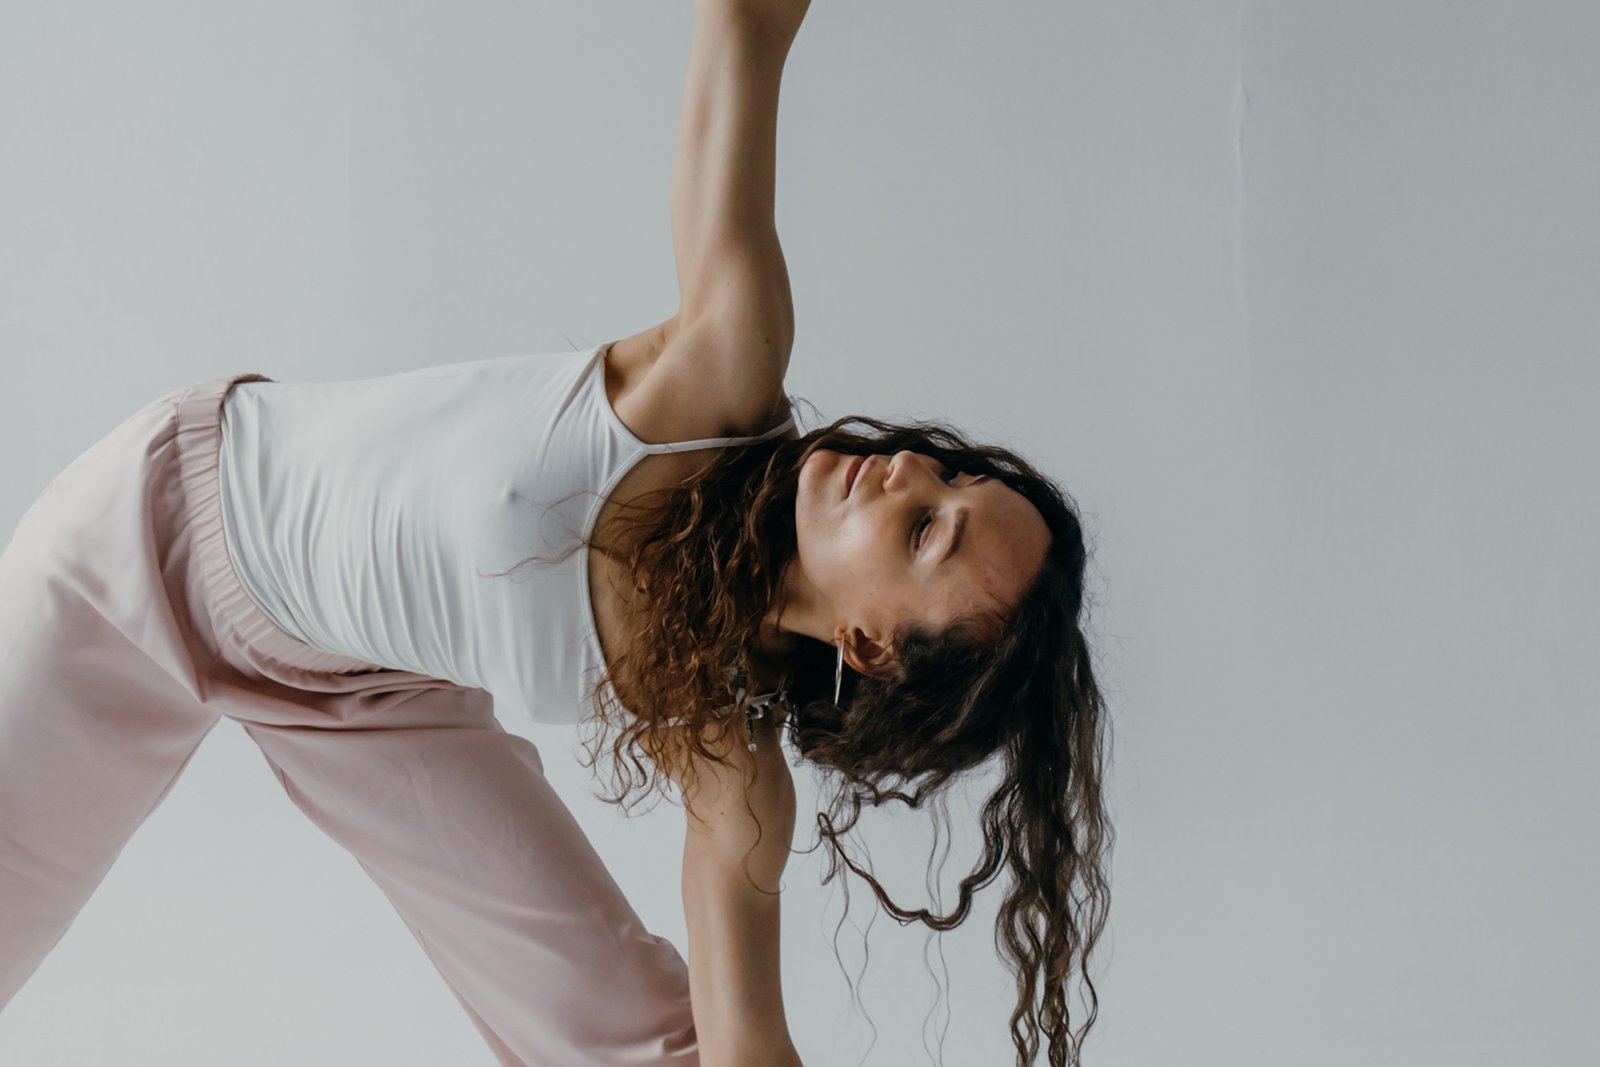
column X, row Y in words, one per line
column 647, row 407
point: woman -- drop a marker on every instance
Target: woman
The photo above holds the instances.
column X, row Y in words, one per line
column 362, row 573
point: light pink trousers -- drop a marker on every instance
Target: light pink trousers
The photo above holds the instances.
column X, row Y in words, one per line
column 125, row 635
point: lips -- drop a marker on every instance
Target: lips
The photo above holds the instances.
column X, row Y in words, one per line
column 851, row 472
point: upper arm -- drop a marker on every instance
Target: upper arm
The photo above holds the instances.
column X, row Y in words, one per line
column 733, row 281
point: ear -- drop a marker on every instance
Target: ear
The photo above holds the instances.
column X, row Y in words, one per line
column 865, row 655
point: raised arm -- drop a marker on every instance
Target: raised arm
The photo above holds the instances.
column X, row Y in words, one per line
column 736, row 312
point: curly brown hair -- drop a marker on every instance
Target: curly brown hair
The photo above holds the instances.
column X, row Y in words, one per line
column 708, row 558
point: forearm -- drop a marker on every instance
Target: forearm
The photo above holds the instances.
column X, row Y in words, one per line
column 735, row 981
column 782, row 17
column 724, row 169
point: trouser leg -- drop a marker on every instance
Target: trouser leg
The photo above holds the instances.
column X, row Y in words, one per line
column 92, row 736
column 456, row 822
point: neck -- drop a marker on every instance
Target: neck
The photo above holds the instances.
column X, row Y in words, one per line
column 805, row 614
column 770, row 659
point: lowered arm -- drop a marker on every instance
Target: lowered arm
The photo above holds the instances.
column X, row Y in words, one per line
column 730, row 897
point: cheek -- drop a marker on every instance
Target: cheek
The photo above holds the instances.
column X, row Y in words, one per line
column 830, row 558
column 855, row 566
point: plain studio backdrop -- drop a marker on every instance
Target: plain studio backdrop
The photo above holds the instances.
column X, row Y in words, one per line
column 1297, row 299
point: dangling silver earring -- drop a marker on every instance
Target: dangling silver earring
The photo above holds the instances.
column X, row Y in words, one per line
column 838, row 674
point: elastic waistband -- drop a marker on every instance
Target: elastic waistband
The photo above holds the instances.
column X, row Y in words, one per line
column 238, row 620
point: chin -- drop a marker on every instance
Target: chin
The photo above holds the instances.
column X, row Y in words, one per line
column 804, row 485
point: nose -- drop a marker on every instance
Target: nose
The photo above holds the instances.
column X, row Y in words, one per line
column 897, row 466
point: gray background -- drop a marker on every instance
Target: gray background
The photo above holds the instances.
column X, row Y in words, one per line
column 1299, row 301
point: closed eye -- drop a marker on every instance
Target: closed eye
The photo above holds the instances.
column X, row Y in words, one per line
column 927, row 521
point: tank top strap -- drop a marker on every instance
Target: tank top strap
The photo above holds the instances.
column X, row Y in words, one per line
column 719, row 442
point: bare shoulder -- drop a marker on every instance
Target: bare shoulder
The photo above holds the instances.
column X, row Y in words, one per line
column 734, row 769
column 741, row 814
column 702, row 384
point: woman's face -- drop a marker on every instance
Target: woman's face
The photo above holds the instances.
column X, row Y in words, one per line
column 876, row 551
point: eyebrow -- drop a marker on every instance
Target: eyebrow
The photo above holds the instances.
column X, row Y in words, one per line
column 961, row 524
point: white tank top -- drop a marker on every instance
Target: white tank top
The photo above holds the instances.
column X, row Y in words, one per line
column 367, row 517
